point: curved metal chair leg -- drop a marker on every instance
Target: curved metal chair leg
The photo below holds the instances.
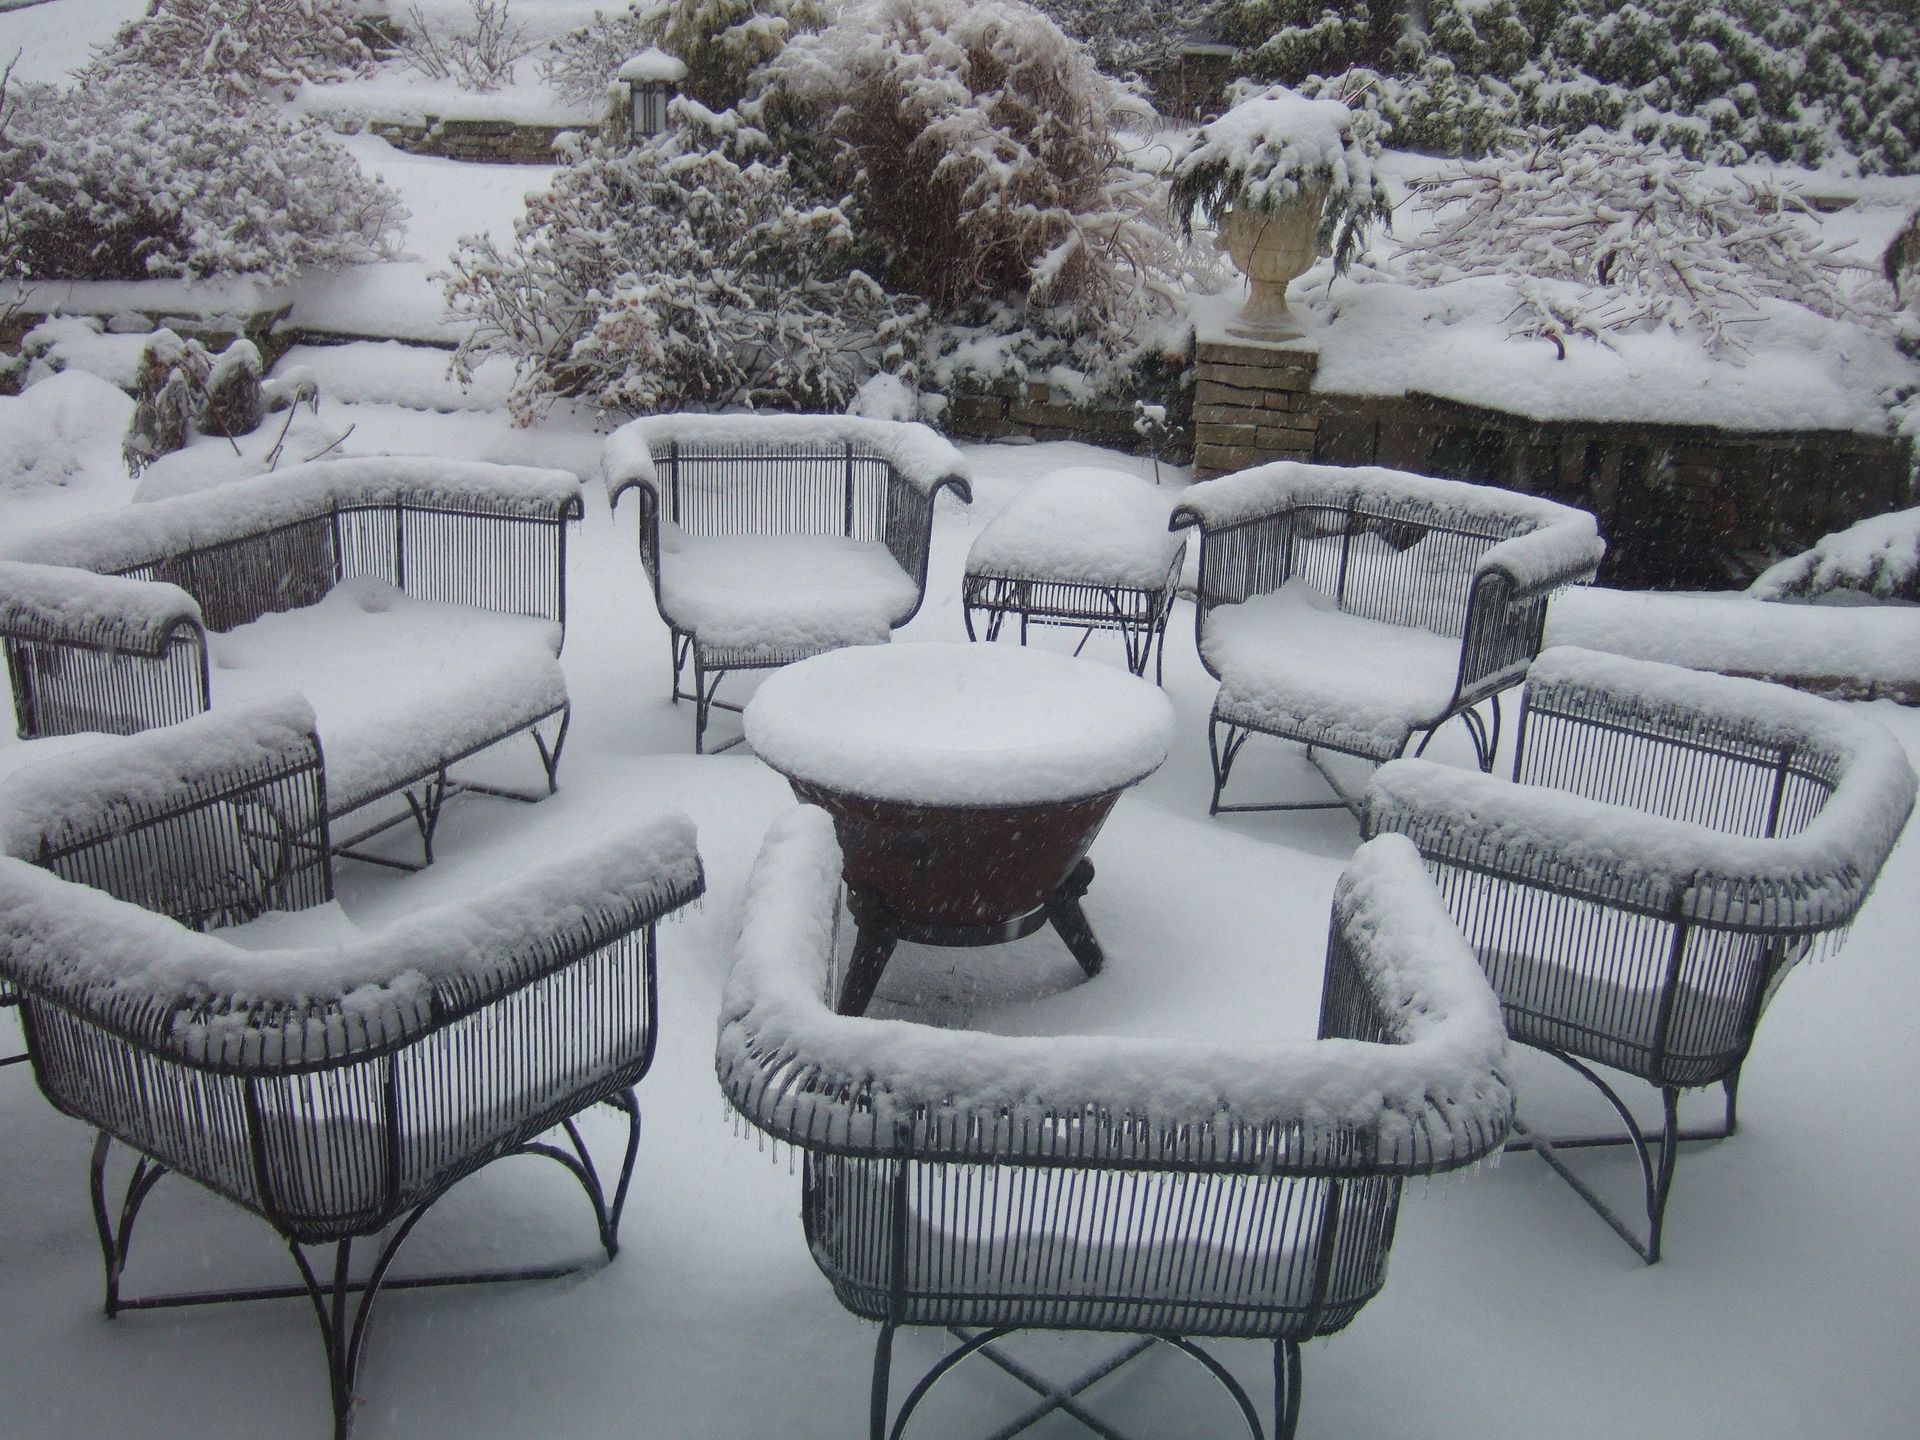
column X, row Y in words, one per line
column 1286, row 1389
column 116, row 1239
column 882, row 1371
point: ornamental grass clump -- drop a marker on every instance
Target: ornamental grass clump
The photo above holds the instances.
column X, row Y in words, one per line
column 1271, row 149
column 1638, row 238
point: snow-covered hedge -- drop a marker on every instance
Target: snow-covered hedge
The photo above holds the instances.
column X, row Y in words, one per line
column 1268, row 150
column 1649, row 236
column 120, row 179
column 674, row 276
column 1879, row 556
column 1723, row 80
column 980, row 149
column 238, row 50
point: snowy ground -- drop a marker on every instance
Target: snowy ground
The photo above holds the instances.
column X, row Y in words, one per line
column 1785, row 1306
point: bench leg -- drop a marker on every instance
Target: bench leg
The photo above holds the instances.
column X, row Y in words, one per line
column 1069, row 920
column 1286, row 1389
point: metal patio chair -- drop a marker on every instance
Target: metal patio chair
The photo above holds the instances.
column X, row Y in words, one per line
column 1671, row 844
column 769, row 538
column 336, row 1092
column 1351, row 609
column 1166, row 1191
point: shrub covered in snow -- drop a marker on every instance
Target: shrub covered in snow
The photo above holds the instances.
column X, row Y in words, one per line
column 978, row 145
column 1138, row 35
column 1268, row 150
column 1879, row 557
column 117, row 179
column 579, row 64
column 1723, row 80
column 1646, row 234
column 239, row 49
column 479, row 56
column 674, row 276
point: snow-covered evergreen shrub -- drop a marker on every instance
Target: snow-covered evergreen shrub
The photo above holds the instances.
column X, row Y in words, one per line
column 116, row 179
column 978, row 144
column 1268, row 149
column 1723, row 80
column 579, row 65
column 724, row 41
column 1646, row 234
column 481, row 57
column 239, row 49
column 1128, row 36
column 1878, row 557
column 674, row 276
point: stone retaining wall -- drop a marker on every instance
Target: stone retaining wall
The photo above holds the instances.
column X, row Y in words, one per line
column 1034, row 410
column 487, row 142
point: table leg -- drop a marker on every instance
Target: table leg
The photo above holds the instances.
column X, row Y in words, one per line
column 1070, row 921
column 876, row 934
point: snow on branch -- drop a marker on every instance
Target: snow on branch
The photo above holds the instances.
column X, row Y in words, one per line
column 1647, row 236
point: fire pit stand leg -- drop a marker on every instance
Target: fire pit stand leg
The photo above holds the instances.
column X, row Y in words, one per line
column 1070, row 921
column 878, row 930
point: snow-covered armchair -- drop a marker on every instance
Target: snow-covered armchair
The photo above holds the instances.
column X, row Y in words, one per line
column 336, row 1083
column 1670, row 845
column 419, row 603
column 1171, row 1189
column 1350, row 609
column 769, row 538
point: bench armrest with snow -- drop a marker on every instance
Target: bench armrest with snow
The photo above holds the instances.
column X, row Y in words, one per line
column 770, row 538
column 418, row 603
column 959, row 1178
column 1671, row 844
column 336, row 1085
column 1350, row 609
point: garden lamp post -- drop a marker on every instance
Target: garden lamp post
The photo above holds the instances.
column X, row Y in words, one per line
column 651, row 80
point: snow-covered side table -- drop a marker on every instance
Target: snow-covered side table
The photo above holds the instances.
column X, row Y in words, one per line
column 966, row 783
column 1087, row 548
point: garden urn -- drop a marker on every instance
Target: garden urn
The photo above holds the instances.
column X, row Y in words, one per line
column 1272, row 248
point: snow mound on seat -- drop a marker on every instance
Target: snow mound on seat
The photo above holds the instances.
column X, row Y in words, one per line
column 781, row 595
column 1086, row 524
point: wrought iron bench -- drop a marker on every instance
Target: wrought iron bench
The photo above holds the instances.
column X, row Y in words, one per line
column 1352, row 609
column 335, row 1091
column 769, row 538
column 1166, row 1190
column 1671, row 844
column 419, row 603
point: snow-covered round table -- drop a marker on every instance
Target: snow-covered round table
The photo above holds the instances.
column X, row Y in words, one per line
column 966, row 784
column 1087, row 548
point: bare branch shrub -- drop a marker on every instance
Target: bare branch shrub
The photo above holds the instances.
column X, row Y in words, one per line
column 578, row 66
column 480, row 58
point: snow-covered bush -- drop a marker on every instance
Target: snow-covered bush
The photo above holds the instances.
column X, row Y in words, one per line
column 978, row 145
column 239, row 49
column 724, row 41
column 480, row 57
column 1268, row 150
column 117, row 179
column 579, row 65
column 1139, row 36
column 673, row 276
column 1878, row 557
column 1723, row 80
column 182, row 390
column 1647, row 235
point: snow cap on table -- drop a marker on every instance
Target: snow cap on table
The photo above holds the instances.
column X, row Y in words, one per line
column 798, row 1070
column 55, row 602
column 1808, row 882
column 960, row 724
column 923, row 458
column 1545, row 540
column 143, row 533
column 207, row 1001
column 87, row 789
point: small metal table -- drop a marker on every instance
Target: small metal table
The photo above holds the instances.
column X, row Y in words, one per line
column 1088, row 548
column 966, row 785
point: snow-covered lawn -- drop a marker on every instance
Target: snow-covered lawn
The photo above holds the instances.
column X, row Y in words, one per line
column 1786, row 1305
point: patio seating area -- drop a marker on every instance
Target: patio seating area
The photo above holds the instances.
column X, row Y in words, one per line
column 1200, row 1140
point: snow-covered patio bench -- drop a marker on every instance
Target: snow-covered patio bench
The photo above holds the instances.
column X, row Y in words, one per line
column 419, row 603
column 769, row 538
column 1350, row 609
column 333, row 1082
column 1164, row 1189
column 1671, row 844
